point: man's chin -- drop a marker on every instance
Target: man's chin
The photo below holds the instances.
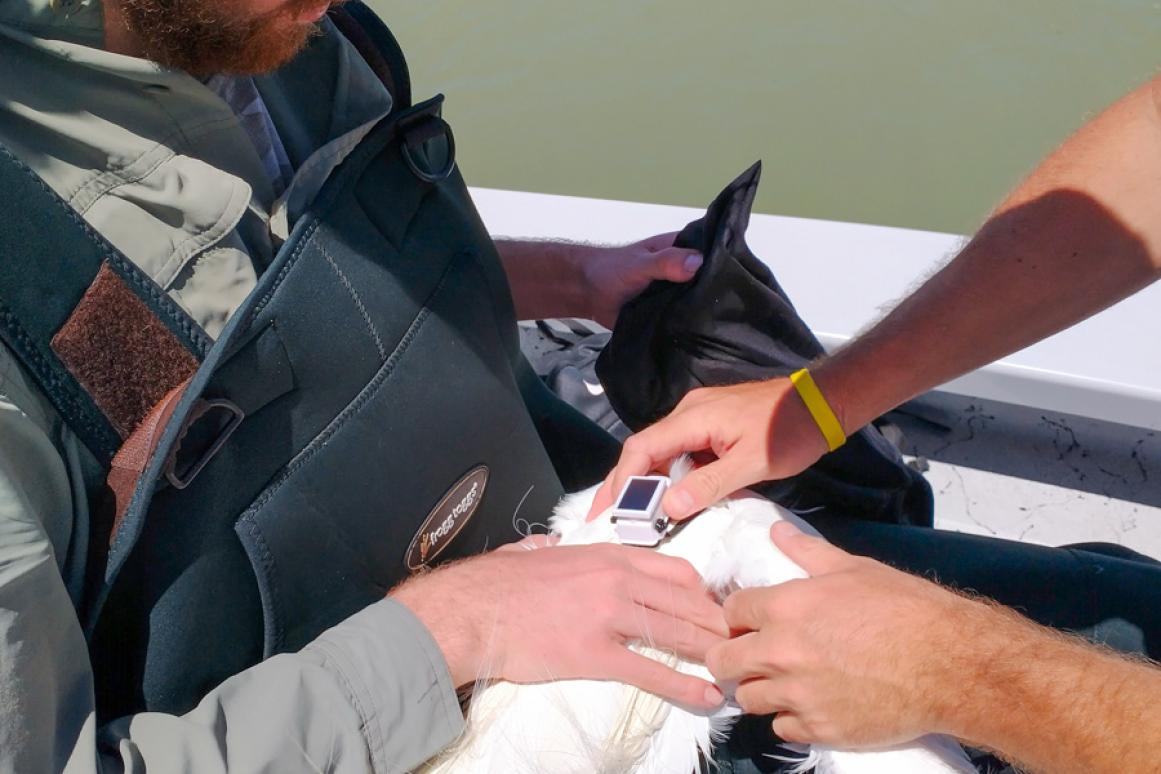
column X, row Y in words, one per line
column 270, row 51
column 253, row 50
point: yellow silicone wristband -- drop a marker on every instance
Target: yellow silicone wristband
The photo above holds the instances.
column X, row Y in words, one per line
column 823, row 415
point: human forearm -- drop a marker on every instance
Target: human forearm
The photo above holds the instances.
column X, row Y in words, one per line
column 563, row 279
column 861, row 655
column 1052, row 702
column 1081, row 233
column 545, row 277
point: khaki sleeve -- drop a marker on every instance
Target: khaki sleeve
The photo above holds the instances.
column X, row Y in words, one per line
column 373, row 693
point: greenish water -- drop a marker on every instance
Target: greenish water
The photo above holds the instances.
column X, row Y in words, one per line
column 917, row 113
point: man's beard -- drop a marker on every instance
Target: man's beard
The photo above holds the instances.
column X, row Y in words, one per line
column 206, row 37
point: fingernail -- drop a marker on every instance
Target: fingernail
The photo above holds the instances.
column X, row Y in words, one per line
column 783, row 529
column 713, row 696
column 693, row 262
column 681, row 504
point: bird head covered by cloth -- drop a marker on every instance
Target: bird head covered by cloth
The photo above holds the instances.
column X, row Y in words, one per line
column 734, row 323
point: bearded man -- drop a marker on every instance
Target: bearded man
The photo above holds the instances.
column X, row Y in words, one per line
column 181, row 593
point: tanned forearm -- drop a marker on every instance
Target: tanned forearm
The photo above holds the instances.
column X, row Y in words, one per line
column 545, row 278
column 1051, row 702
column 1083, row 232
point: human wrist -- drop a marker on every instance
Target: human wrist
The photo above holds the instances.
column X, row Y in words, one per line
column 566, row 278
column 582, row 262
column 866, row 379
column 821, row 413
column 832, row 379
column 457, row 635
column 547, row 278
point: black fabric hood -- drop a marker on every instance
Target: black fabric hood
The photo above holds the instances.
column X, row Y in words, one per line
column 733, row 323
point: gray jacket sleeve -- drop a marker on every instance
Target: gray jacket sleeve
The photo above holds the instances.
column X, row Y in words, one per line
column 373, row 693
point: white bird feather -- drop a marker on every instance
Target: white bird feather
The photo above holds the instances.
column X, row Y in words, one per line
column 587, row 726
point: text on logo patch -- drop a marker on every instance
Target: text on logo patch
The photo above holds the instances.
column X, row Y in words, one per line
column 447, row 518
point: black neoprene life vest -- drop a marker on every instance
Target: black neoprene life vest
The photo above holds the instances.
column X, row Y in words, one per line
column 365, row 413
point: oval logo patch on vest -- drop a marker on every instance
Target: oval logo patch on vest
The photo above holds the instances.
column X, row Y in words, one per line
column 447, row 519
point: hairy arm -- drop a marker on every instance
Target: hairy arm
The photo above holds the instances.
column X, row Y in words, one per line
column 1083, row 232
column 861, row 655
column 1052, row 702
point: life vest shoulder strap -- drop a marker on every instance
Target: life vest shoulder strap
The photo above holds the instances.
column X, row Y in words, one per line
column 101, row 339
column 374, row 41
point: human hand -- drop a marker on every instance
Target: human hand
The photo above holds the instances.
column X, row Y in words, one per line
column 555, row 613
column 857, row 655
column 758, row 430
column 614, row 275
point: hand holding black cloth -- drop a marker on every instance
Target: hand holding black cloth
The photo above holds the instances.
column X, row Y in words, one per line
column 733, row 323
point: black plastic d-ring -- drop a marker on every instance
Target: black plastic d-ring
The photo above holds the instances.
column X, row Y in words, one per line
column 417, row 136
column 234, row 416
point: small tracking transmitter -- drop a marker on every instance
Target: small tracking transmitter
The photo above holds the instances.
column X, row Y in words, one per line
column 637, row 516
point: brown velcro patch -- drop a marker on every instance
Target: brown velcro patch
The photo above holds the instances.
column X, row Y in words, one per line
column 120, row 353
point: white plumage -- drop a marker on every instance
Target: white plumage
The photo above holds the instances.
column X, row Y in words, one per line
column 586, row 726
